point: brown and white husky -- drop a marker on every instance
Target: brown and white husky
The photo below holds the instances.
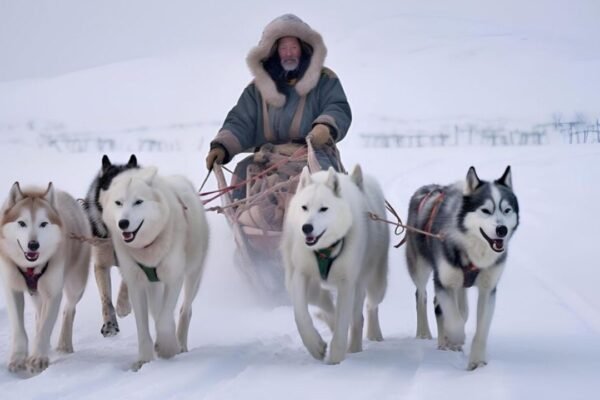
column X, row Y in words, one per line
column 38, row 257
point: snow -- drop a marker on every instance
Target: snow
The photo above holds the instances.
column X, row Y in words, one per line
column 158, row 80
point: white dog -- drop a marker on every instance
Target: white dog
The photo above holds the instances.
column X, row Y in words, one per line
column 160, row 235
column 329, row 242
column 37, row 256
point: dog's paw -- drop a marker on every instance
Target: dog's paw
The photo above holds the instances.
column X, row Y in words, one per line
column 476, row 364
column 110, row 328
column 375, row 335
column 335, row 357
column 447, row 346
column 136, row 366
column 355, row 347
column 317, row 348
column 337, row 353
column 17, row 365
column 65, row 348
column 36, row 364
column 424, row 335
column 123, row 307
column 167, row 348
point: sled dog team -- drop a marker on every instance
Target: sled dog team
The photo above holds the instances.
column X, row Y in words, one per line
column 334, row 256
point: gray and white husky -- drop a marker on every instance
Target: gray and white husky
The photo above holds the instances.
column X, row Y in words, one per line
column 476, row 219
column 102, row 250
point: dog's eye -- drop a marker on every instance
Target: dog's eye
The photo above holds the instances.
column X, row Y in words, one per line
column 43, row 224
column 507, row 211
column 118, row 203
column 22, row 224
column 486, row 211
column 305, row 208
column 138, row 202
column 323, row 209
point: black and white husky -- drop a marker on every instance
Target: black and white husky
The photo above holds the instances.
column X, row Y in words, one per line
column 102, row 250
column 475, row 220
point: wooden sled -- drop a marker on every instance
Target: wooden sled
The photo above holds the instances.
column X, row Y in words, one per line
column 255, row 208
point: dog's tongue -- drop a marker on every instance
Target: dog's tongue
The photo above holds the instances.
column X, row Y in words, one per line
column 127, row 235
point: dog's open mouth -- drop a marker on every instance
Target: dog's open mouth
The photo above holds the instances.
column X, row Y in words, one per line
column 311, row 240
column 30, row 256
column 496, row 244
column 129, row 237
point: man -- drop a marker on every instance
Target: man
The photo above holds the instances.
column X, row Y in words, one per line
column 292, row 97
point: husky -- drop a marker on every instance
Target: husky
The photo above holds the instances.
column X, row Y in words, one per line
column 475, row 220
column 37, row 256
column 102, row 250
column 160, row 235
column 329, row 243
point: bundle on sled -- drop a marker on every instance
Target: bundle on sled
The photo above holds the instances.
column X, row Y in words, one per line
column 254, row 203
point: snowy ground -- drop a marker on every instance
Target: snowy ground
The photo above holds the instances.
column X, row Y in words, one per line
column 158, row 80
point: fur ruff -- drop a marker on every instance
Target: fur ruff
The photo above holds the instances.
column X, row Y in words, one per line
column 286, row 25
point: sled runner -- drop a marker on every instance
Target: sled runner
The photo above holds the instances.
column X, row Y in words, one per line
column 255, row 206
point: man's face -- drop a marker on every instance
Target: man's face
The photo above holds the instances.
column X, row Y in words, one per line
column 289, row 52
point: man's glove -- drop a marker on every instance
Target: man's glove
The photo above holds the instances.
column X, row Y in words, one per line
column 319, row 135
column 215, row 155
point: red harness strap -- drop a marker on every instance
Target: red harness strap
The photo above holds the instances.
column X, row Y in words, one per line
column 31, row 278
column 434, row 209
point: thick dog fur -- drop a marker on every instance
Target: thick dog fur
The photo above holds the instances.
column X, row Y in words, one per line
column 329, row 211
column 477, row 219
column 102, row 250
column 35, row 244
column 157, row 223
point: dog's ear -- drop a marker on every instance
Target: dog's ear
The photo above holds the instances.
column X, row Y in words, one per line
column 473, row 181
column 132, row 163
column 15, row 195
column 106, row 164
column 506, row 178
column 305, row 178
column 333, row 181
column 148, row 174
column 357, row 176
column 50, row 196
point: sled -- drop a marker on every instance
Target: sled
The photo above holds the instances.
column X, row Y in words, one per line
column 255, row 207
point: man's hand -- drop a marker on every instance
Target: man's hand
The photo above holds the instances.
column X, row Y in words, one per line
column 216, row 155
column 319, row 135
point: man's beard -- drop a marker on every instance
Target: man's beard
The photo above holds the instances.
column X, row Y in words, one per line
column 290, row 65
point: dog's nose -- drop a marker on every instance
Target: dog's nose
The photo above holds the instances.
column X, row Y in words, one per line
column 307, row 228
column 123, row 224
column 501, row 231
column 33, row 245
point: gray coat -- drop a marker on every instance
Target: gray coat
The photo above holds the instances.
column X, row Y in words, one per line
column 264, row 114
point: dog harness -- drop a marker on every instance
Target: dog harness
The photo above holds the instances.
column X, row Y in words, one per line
column 150, row 272
column 31, row 278
column 470, row 271
column 324, row 259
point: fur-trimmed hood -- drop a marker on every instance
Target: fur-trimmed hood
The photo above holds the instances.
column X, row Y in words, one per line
column 286, row 25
